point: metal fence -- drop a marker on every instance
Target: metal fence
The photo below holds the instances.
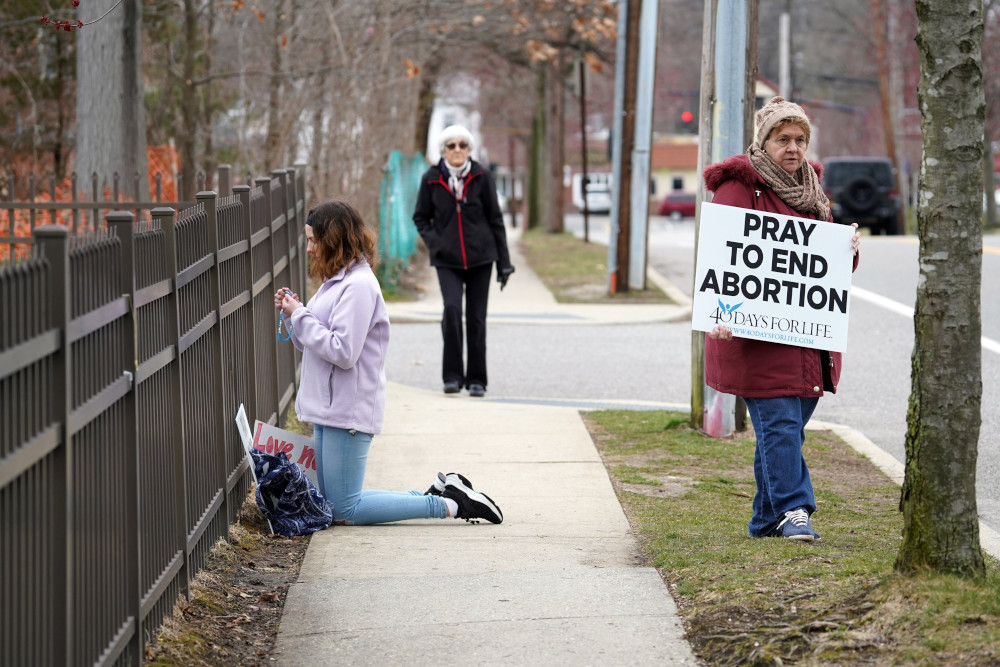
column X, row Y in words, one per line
column 124, row 355
column 68, row 203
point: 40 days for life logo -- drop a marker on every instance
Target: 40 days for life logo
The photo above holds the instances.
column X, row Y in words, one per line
column 807, row 333
column 770, row 277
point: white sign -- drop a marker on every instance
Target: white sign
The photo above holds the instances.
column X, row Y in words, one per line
column 243, row 426
column 773, row 277
column 299, row 448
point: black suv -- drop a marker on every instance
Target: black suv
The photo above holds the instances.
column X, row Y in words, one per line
column 863, row 190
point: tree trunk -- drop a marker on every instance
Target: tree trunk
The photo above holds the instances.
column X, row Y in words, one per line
column 315, row 177
column 209, row 161
column 425, row 104
column 272, row 145
column 537, row 172
column 938, row 501
column 555, row 111
column 189, row 105
column 111, row 126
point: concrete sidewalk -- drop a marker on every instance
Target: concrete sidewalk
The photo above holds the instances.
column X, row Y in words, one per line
column 526, row 300
column 559, row 582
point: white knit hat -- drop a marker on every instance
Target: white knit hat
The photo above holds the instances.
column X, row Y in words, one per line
column 455, row 132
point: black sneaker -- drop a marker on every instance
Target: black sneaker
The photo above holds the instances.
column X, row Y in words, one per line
column 437, row 488
column 477, row 390
column 472, row 505
column 452, row 387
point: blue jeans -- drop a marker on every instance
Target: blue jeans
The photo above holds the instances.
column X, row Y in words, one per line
column 341, row 458
column 780, row 470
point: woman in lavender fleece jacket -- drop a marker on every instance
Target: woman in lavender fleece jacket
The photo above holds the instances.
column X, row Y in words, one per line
column 343, row 334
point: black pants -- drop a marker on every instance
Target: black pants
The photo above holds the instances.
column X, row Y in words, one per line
column 476, row 284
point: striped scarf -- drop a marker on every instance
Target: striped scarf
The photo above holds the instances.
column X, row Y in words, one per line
column 456, row 179
column 801, row 190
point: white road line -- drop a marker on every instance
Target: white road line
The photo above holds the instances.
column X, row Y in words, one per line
column 906, row 311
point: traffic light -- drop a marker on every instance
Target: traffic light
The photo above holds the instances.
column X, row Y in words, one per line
column 688, row 124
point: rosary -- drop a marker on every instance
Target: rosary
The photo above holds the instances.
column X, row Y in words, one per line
column 281, row 318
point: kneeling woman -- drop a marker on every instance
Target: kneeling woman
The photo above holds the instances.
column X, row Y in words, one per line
column 343, row 334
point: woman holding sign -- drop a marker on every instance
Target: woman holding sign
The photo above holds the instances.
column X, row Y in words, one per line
column 780, row 383
column 344, row 334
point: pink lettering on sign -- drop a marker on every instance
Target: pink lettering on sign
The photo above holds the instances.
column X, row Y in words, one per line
column 276, row 446
column 256, row 439
column 308, row 458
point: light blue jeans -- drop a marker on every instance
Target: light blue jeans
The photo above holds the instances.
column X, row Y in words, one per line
column 780, row 470
column 341, row 458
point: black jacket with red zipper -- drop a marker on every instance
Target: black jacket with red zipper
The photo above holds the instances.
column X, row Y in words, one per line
column 461, row 234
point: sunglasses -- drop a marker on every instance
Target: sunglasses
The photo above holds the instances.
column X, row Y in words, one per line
column 451, row 145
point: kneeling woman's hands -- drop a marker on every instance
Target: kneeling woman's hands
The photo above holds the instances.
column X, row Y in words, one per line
column 286, row 301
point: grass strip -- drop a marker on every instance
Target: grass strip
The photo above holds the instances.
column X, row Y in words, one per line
column 577, row 272
column 773, row 601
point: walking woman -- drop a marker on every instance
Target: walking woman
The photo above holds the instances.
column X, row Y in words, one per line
column 343, row 334
column 781, row 384
column 461, row 224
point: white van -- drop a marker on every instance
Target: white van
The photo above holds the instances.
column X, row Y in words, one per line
column 598, row 191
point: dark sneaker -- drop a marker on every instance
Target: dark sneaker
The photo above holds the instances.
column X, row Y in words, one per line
column 472, row 505
column 477, row 390
column 437, row 488
column 796, row 526
column 452, row 387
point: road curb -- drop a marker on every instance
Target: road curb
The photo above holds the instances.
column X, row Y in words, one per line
column 989, row 539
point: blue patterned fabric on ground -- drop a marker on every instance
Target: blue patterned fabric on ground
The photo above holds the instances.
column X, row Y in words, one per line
column 289, row 499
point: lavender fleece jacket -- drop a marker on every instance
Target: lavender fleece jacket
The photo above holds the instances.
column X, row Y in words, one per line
column 343, row 333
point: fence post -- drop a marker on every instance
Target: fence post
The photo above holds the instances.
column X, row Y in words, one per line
column 225, row 180
column 209, row 200
column 265, row 186
column 243, row 193
column 120, row 223
column 166, row 218
column 52, row 242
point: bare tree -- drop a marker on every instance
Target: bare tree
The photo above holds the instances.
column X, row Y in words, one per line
column 110, row 113
column 941, row 524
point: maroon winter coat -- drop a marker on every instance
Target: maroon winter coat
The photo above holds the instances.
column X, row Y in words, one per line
column 755, row 368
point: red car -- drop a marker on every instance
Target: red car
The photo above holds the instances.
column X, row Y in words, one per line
column 678, row 205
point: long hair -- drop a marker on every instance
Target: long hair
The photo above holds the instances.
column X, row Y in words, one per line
column 341, row 238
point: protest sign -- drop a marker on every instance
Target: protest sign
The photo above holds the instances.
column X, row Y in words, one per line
column 299, row 448
column 773, row 277
column 243, row 426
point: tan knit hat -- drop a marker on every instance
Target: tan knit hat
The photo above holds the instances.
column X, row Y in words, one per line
column 776, row 112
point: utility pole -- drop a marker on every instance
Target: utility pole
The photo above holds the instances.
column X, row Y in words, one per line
column 584, row 177
column 784, row 52
column 725, row 128
column 882, row 58
column 642, row 145
column 627, row 59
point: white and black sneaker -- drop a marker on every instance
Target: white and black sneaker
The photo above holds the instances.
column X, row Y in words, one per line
column 472, row 505
column 437, row 488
